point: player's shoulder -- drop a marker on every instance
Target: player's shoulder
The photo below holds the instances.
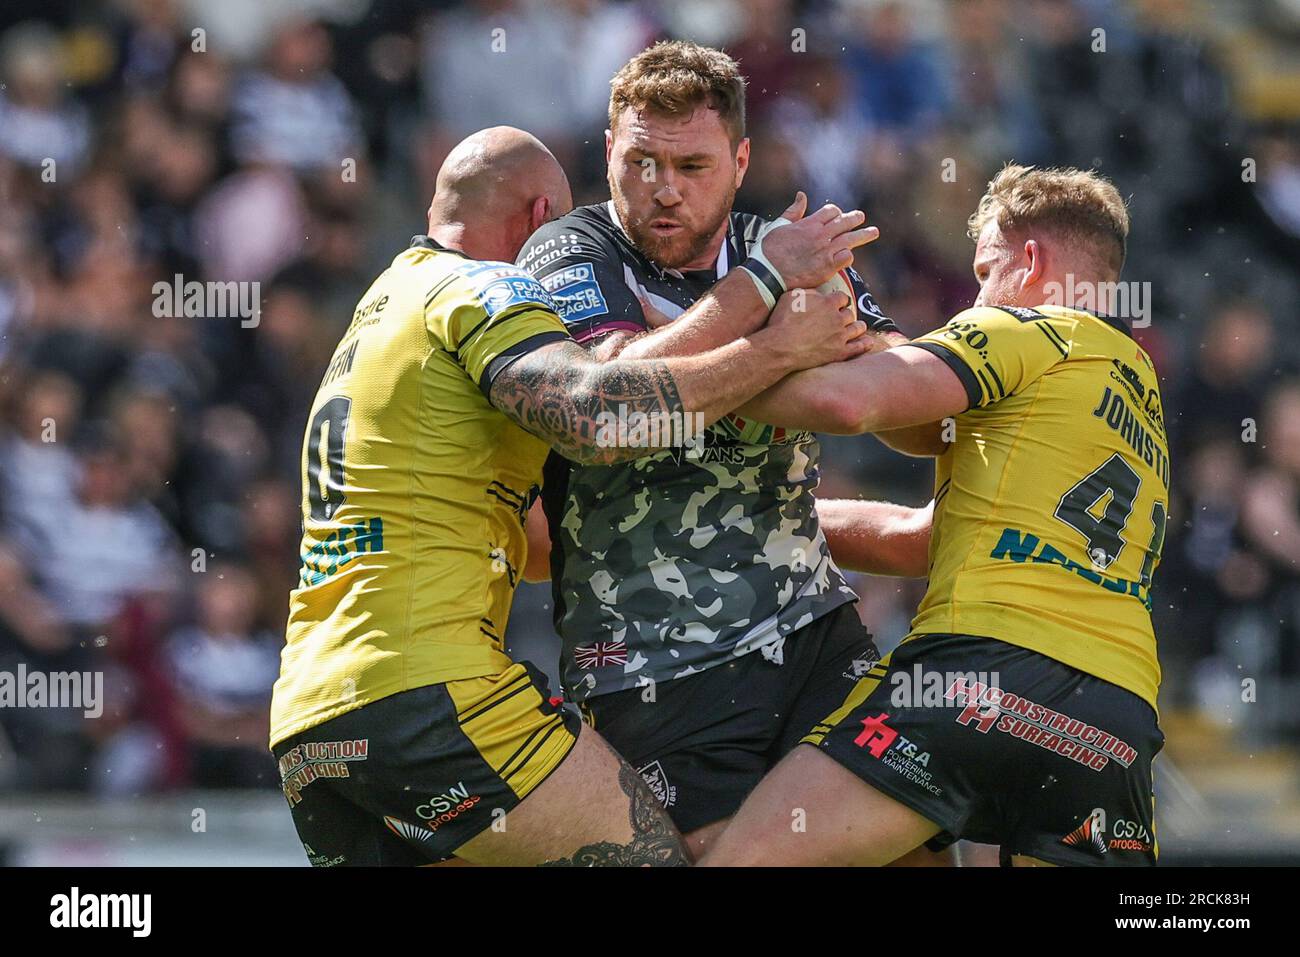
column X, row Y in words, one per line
column 496, row 286
column 586, row 231
column 1001, row 315
column 1057, row 323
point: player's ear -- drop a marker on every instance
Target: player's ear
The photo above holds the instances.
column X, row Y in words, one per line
column 742, row 160
column 539, row 214
column 1035, row 264
column 609, row 145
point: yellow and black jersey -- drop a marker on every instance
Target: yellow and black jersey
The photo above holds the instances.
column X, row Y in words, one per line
column 415, row 489
column 1050, row 507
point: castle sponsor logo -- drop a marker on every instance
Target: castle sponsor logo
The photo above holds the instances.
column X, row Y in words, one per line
column 657, row 781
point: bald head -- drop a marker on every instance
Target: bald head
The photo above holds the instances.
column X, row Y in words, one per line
column 496, row 188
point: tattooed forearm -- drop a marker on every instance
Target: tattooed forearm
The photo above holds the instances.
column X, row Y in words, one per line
column 655, row 841
column 562, row 396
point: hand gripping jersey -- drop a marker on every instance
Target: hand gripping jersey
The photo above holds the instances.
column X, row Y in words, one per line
column 680, row 560
column 1050, row 508
column 415, row 489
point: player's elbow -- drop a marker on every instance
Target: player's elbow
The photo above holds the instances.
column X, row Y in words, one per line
column 839, row 412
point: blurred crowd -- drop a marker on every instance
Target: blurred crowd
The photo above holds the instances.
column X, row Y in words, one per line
column 149, row 463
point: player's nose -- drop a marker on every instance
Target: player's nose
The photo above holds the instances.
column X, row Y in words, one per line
column 667, row 195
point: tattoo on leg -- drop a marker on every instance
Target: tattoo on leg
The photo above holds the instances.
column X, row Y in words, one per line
column 655, row 841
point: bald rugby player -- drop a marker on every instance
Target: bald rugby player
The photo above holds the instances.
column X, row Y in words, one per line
column 403, row 731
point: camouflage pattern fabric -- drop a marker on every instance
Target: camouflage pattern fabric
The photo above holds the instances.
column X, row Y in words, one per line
column 682, row 560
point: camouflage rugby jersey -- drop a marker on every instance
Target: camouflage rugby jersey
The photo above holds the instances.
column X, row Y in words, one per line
column 687, row 558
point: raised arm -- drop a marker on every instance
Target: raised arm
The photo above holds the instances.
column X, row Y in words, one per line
column 979, row 358
column 565, row 397
column 818, row 403
column 800, row 404
column 881, row 392
column 583, row 271
column 878, row 538
column 801, row 254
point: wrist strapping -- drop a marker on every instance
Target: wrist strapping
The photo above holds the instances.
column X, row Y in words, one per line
column 767, row 278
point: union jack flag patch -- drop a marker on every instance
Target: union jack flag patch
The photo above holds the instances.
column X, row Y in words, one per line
column 600, row 654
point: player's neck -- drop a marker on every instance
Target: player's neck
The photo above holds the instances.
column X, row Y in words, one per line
column 709, row 258
column 705, row 260
column 449, row 236
column 1084, row 293
column 471, row 243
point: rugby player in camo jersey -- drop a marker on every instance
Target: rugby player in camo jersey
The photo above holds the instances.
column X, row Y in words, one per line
column 705, row 628
column 403, row 730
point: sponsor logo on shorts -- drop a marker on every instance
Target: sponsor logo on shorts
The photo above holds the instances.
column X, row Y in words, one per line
column 323, row 860
column 986, row 708
column 1091, row 833
column 860, row 668
column 408, row 831
column 896, row 752
column 774, row 651
column 600, row 654
column 1125, row 835
column 304, row 763
column 447, row 806
column 657, row 781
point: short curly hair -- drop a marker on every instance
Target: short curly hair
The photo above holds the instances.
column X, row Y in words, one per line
column 1084, row 207
column 675, row 77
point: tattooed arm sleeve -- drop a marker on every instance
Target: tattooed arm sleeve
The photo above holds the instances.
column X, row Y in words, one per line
column 576, row 404
column 566, row 399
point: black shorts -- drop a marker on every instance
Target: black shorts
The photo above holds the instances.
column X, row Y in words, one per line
column 998, row 744
column 411, row 777
column 702, row 742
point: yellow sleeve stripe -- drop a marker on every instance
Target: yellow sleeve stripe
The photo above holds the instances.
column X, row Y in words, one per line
column 1054, row 338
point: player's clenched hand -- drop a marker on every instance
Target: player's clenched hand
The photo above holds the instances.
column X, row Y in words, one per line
column 817, row 328
column 808, row 250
